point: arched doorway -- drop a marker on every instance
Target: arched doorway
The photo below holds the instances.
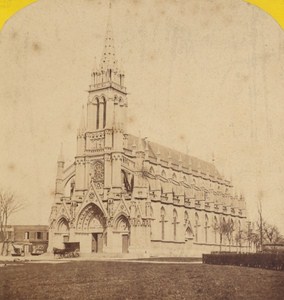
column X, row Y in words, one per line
column 63, row 229
column 92, row 221
column 123, row 228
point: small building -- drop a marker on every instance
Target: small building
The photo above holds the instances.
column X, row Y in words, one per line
column 28, row 237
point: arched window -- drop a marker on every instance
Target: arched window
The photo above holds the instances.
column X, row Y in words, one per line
column 63, row 225
column 163, row 174
column 185, row 218
column 174, row 176
column 163, row 213
column 175, row 223
column 104, row 107
column 196, row 226
column 206, row 228
column 151, row 171
column 215, row 228
column 98, row 113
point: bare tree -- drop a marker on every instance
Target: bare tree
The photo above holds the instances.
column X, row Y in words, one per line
column 240, row 238
column 8, row 206
column 223, row 228
column 259, row 209
column 230, row 228
column 271, row 233
column 265, row 233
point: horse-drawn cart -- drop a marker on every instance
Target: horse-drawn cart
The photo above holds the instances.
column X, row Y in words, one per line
column 71, row 249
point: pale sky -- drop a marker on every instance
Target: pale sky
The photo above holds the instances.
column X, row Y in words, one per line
column 202, row 74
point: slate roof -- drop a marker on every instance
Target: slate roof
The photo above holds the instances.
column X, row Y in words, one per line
column 167, row 154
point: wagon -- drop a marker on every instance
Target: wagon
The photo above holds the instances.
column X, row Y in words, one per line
column 71, row 249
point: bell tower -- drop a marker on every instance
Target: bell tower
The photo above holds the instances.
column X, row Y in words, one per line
column 100, row 140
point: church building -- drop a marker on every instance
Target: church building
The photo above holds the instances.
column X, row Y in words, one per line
column 126, row 194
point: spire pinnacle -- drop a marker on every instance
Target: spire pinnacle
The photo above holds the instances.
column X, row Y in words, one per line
column 60, row 156
column 140, row 147
column 108, row 60
column 95, row 65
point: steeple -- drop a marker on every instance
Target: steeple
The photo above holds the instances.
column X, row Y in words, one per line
column 110, row 72
column 108, row 60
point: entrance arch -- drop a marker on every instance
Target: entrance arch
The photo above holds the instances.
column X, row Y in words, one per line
column 122, row 227
column 63, row 229
column 92, row 221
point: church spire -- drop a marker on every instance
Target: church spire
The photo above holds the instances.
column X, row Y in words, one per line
column 109, row 72
column 108, row 60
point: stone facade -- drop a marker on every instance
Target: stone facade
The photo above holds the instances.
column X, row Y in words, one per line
column 125, row 194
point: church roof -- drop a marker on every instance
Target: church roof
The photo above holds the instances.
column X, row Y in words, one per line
column 176, row 158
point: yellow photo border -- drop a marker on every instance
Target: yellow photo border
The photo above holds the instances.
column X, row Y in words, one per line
column 274, row 8
column 9, row 7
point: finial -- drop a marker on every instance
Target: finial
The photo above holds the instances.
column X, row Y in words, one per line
column 213, row 158
column 146, row 144
column 95, row 65
column 158, row 152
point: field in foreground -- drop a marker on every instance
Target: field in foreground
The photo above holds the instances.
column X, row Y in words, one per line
column 130, row 280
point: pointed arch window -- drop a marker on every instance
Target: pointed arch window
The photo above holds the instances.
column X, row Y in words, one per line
column 196, row 226
column 98, row 114
column 215, row 228
column 186, row 218
column 206, row 228
column 104, row 108
column 163, row 214
column 175, row 224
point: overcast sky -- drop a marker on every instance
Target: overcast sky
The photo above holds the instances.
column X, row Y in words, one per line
column 202, row 74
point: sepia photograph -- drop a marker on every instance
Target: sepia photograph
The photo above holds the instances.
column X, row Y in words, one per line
column 142, row 150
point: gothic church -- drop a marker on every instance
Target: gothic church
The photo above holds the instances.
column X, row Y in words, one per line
column 126, row 194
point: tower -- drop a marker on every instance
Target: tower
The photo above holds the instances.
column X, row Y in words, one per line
column 100, row 140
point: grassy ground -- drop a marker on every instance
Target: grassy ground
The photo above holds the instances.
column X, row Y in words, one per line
column 173, row 259
column 129, row 280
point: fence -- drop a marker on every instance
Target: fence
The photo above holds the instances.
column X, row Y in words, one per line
column 272, row 261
